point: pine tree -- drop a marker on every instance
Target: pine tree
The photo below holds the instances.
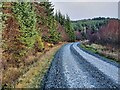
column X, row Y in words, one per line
column 56, row 16
column 54, row 35
column 69, row 29
column 27, row 18
column 49, row 8
column 65, row 21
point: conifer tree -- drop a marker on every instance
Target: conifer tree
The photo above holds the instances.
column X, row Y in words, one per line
column 69, row 29
column 54, row 36
column 65, row 21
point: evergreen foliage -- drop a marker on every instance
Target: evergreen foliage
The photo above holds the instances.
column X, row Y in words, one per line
column 54, row 35
column 66, row 23
column 26, row 17
column 69, row 29
column 91, row 24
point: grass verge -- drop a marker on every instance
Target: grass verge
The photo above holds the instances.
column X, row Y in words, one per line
column 102, row 51
column 33, row 77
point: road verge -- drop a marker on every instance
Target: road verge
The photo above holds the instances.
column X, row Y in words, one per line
column 33, row 77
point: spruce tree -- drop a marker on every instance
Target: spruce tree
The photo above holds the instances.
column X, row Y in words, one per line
column 69, row 29
column 54, row 35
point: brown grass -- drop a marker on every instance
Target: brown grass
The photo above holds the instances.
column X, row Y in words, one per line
column 30, row 73
column 106, row 51
column 33, row 77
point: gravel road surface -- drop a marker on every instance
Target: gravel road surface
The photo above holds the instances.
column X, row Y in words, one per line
column 72, row 67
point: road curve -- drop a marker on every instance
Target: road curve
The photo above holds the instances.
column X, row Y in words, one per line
column 72, row 67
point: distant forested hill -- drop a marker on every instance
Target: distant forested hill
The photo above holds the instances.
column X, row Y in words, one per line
column 102, row 30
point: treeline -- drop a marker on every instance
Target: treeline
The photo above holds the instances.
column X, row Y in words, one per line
column 88, row 26
column 94, row 24
column 66, row 23
column 98, row 30
column 48, row 19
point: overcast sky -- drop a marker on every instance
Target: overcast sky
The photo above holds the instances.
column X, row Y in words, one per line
column 77, row 9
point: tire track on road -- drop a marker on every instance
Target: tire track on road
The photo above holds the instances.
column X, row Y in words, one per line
column 73, row 68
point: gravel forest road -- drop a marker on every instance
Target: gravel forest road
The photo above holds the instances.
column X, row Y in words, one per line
column 73, row 67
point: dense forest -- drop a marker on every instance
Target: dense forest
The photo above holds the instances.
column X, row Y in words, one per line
column 90, row 26
column 66, row 22
column 97, row 30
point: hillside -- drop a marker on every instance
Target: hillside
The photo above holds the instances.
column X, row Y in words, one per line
column 99, row 30
column 30, row 30
column 45, row 21
column 84, row 28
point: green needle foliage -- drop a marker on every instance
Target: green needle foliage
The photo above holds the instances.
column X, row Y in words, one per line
column 54, row 35
column 66, row 23
column 26, row 17
column 69, row 29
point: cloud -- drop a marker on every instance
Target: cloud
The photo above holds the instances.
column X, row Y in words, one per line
column 82, row 10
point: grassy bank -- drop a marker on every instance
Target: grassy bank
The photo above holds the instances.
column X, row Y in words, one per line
column 102, row 51
column 33, row 73
column 33, row 77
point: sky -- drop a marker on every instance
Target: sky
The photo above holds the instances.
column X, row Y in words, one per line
column 84, row 9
